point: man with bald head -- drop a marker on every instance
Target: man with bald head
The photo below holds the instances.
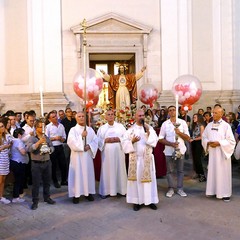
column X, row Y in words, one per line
column 83, row 143
column 138, row 142
column 113, row 179
column 218, row 141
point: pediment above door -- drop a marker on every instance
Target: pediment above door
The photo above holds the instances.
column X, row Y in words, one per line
column 112, row 23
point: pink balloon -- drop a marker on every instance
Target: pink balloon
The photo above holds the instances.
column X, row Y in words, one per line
column 94, row 84
column 148, row 94
column 77, row 90
column 188, row 88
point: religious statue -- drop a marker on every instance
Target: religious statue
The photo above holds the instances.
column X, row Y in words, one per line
column 122, row 88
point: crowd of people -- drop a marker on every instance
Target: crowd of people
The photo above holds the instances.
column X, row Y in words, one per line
column 34, row 149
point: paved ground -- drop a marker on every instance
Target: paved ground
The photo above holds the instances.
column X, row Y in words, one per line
column 195, row 217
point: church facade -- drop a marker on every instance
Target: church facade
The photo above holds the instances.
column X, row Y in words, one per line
column 41, row 45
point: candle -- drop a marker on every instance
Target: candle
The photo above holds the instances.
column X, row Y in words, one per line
column 41, row 100
column 176, row 98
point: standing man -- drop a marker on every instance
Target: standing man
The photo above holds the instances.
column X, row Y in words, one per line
column 12, row 119
column 68, row 122
column 209, row 109
column 81, row 177
column 18, row 116
column 41, row 166
column 207, row 118
column 61, row 115
column 167, row 136
column 56, row 132
column 218, row 140
column 29, row 132
column 113, row 178
column 25, row 115
column 141, row 185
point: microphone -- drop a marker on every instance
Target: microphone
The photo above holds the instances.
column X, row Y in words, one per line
column 142, row 122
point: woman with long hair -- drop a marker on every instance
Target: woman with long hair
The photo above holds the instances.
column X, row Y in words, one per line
column 149, row 117
column 196, row 145
column 162, row 117
column 5, row 144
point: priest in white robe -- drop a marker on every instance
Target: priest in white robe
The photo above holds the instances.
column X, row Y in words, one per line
column 113, row 177
column 81, row 177
column 142, row 184
column 218, row 141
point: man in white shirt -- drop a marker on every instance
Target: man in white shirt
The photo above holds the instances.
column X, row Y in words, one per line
column 167, row 136
column 12, row 119
column 29, row 131
column 56, row 132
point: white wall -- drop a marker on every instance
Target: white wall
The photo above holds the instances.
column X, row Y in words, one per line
column 199, row 37
column 145, row 12
column 31, row 46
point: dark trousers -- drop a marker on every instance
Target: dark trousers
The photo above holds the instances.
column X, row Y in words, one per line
column 28, row 174
column 58, row 159
column 41, row 173
column 18, row 170
column 67, row 152
column 197, row 154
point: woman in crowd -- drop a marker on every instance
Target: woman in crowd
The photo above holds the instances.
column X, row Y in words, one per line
column 4, row 160
column 238, row 114
column 233, row 121
column 162, row 117
column 19, row 159
column 149, row 114
column 149, row 117
column 196, row 146
column 200, row 111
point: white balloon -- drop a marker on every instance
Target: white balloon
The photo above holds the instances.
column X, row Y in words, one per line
column 193, row 92
column 91, row 80
column 80, row 85
column 180, row 94
column 182, row 99
column 187, row 94
column 193, row 86
column 90, row 88
column 96, row 87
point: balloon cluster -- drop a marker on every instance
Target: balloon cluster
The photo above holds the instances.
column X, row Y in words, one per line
column 189, row 90
column 148, row 94
column 94, row 85
column 92, row 103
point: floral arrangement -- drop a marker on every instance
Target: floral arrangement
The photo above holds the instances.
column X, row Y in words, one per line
column 124, row 116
